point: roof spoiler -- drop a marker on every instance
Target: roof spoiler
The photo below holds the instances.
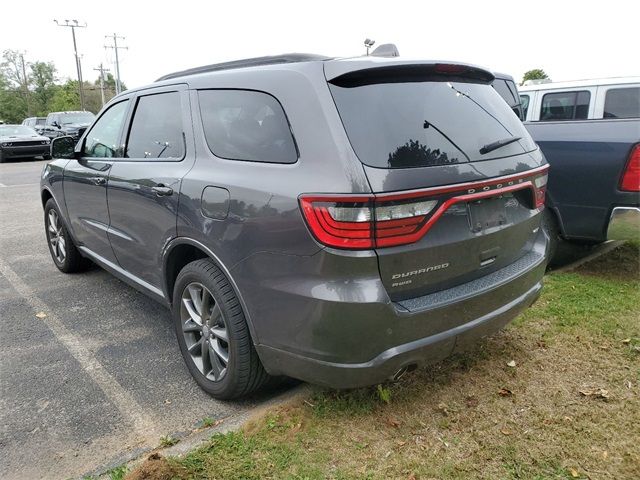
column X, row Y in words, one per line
column 418, row 72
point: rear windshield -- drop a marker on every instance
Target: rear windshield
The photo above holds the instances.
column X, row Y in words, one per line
column 421, row 124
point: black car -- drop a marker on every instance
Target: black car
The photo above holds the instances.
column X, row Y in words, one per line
column 340, row 221
column 18, row 141
column 73, row 124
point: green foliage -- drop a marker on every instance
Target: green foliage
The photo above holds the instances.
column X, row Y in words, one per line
column 168, row 441
column 535, row 74
column 384, row 394
column 44, row 92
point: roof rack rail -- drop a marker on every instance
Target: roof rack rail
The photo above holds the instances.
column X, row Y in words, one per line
column 248, row 62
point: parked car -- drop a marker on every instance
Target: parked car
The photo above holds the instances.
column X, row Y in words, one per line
column 290, row 237
column 73, row 124
column 37, row 123
column 18, row 141
column 589, row 131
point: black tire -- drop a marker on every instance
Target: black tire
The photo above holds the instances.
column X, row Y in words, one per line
column 73, row 261
column 243, row 373
column 46, row 157
column 1, row 157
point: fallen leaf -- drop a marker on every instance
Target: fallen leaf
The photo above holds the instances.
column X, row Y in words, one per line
column 393, row 422
column 41, row 315
column 505, row 392
column 388, row 454
column 574, row 473
column 626, row 341
column 504, row 431
column 401, row 443
column 511, row 363
column 628, row 384
column 595, row 392
column 411, row 477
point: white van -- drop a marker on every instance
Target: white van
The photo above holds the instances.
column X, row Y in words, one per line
column 581, row 99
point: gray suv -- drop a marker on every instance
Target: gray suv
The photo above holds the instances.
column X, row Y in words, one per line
column 339, row 221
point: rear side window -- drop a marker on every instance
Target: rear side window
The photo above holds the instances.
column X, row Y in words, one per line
column 156, row 128
column 246, row 125
column 524, row 100
column 399, row 124
column 622, row 103
column 565, row 106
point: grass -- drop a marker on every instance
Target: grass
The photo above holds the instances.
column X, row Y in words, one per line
column 472, row 416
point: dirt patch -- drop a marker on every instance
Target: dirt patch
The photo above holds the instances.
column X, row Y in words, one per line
column 156, row 467
column 622, row 263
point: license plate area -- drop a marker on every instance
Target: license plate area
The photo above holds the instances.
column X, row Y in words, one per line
column 487, row 213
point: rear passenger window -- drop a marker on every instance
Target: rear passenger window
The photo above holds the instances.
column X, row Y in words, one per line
column 565, row 106
column 524, row 100
column 622, row 103
column 246, row 125
column 156, row 129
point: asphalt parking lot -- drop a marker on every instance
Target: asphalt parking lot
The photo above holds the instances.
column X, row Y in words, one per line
column 99, row 377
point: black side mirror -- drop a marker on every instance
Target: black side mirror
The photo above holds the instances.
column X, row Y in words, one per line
column 63, row 147
column 55, row 124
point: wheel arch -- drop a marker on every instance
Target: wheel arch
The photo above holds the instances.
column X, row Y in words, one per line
column 183, row 250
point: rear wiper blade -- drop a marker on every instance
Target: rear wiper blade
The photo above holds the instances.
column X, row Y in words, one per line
column 490, row 147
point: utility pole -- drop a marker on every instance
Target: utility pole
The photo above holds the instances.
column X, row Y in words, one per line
column 102, row 72
column 115, row 49
column 26, row 85
column 73, row 25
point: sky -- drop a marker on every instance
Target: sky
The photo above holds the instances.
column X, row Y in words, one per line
column 568, row 39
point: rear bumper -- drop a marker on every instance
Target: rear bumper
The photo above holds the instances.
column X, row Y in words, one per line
column 624, row 224
column 394, row 361
column 353, row 338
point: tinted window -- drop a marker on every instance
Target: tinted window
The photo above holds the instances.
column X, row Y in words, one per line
column 505, row 92
column 622, row 103
column 102, row 139
column 156, row 128
column 524, row 100
column 565, row 106
column 246, row 125
column 419, row 124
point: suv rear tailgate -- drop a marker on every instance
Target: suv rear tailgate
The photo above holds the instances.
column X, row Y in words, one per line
column 426, row 135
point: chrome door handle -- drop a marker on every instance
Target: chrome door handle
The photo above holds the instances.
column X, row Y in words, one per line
column 162, row 190
column 98, row 180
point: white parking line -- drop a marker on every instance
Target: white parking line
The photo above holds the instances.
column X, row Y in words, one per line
column 128, row 407
column 2, row 185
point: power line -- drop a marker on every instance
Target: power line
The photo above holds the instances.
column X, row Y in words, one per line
column 102, row 70
column 115, row 48
column 73, row 25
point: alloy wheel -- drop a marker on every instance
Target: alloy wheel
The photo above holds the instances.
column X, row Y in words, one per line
column 56, row 236
column 205, row 331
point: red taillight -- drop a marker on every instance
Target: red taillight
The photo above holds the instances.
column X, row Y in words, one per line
column 373, row 221
column 631, row 177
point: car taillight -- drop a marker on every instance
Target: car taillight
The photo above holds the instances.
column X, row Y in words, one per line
column 540, row 190
column 631, row 177
column 384, row 220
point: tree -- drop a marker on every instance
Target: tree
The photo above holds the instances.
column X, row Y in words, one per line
column 42, row 79
column 14, row 106
column 535, row 74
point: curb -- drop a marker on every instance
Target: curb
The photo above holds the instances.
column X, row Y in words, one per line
column 193, row 439
column 600, row 250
